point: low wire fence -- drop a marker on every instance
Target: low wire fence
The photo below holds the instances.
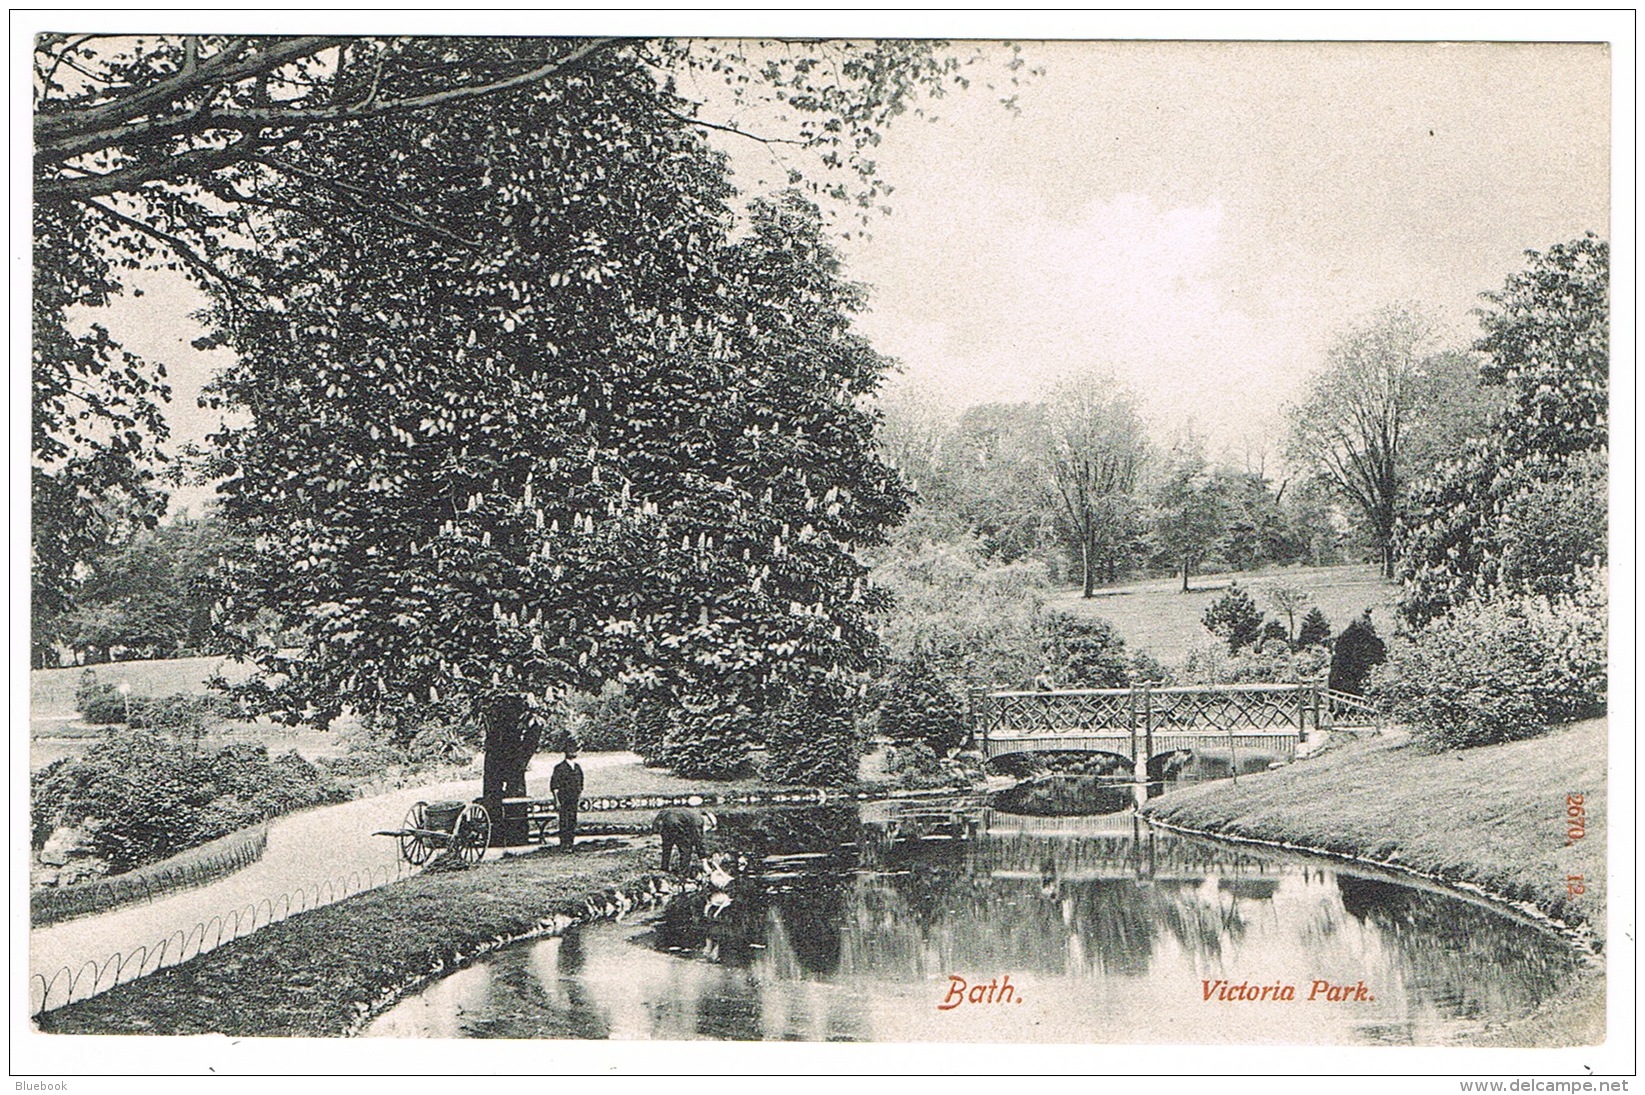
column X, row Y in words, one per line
column 202, row 865
column 70, row 984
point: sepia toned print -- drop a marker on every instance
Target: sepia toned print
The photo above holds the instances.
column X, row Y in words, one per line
column 825, row 540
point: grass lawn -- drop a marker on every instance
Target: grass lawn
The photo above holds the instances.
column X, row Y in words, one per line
column 314, row 975
column 1493, row 817
column 1158, row 617
column 51, row 691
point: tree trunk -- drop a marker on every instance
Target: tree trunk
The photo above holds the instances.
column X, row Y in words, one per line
column 1187, row 565
column 1088, row 583
column 512, row 737
column 1387, row 559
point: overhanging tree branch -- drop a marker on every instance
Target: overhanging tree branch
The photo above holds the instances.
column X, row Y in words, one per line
column 362, row 199
column 177, row 246
column 75, row 140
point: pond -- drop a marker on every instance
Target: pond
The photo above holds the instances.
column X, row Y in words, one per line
column 903, row 922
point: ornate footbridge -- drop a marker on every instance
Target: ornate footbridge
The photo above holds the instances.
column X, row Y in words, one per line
column 1147, row 725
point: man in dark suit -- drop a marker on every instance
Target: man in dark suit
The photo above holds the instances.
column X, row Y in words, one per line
column 683, row 829
column 566, row 787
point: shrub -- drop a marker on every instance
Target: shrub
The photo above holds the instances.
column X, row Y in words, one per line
column 141, row 797
column 600, row 723
column 1272, row 662
column 974, row 618
column 919, row 705
column 813, row 738
column 915, row 766
column 1273, row 632
column 651, row 722
column 1355, row 653
column 1144, row 668
column 1234, row 618
column 709, row 737
column 100, row 704
column 180, row 713
column 1315, row 630
column 1500, row 669
column 1088, row 653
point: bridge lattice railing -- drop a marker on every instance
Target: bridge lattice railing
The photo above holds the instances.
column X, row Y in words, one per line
column 1202, row 708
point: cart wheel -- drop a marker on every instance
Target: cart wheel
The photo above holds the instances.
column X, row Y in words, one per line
column 416, row 849
column 472, row 835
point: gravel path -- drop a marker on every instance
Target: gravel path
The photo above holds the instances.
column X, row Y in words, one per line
column 306, row 850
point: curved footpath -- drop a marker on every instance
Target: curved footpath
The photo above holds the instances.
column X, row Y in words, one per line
column 306, row 850
column 1491, row 822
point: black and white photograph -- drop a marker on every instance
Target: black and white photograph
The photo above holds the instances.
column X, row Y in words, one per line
column 1091, row 539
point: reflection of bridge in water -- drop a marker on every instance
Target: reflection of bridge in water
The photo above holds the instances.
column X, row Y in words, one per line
column 1149, row 727
column 1077, row 849
column 1068, row 849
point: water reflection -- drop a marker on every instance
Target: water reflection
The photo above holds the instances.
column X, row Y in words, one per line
column 1108, row 931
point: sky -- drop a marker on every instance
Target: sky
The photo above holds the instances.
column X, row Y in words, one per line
column 1200, row 219
column 1197, row 219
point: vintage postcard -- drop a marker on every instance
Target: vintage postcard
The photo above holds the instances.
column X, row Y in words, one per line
column 567, row 545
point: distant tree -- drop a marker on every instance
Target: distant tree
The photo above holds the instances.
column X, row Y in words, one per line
column 1190, row 512
column 1234, row 618
column 916, row 426
column 1289, row 600
column 998, row 475
column 1356, row 652
column 154, row 596
column 1311, row 514
column 1096, row 448
column 1524, row 505
column 1316, row 629
column 1258, row 531
column 1382, row 387
column 975, row 619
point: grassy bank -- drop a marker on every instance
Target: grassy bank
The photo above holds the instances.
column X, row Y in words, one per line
column 1158, row 617
column 1492, row 818
column 320, row 973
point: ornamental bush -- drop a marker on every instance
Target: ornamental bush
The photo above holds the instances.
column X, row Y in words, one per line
column 1501, row 669
column 709, row 737
column 920, row 705
column 600, row 722
column 1234, row 618
column 99, row 704
column 1315, row 629
column 1087, row 653
column 813, row 738
column 1355, row 653
column 179, row 713
column 1272, row 662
